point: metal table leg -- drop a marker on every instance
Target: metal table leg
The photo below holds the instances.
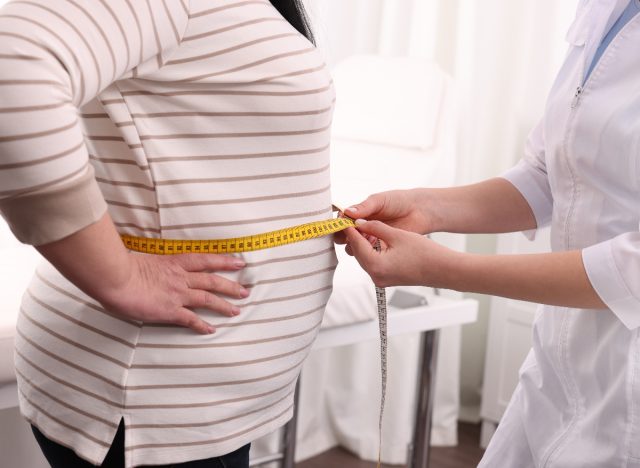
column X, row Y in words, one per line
column 421, row 445
column 286, row 456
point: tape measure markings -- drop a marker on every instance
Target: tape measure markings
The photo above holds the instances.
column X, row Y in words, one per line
column 266, row 240
column 381, row 299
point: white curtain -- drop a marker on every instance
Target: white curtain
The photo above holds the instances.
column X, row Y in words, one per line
column 503, row 56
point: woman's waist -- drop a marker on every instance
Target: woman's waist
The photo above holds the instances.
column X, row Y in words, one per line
column 294, row 277
column 217, row 218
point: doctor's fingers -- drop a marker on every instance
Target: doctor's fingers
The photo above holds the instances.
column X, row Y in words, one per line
column 379, row 265
column 341, row 238
column 374, row 230
column 361, row 241
column 372, row 205
column 359, row 247
column 371, row 232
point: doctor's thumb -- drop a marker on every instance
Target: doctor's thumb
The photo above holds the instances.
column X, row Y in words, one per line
column 371, row 205
column 377, row 229
column 358, row 246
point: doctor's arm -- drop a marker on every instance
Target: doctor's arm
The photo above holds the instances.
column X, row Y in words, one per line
column 521, row 200
column 407, row 258
column 492, row 206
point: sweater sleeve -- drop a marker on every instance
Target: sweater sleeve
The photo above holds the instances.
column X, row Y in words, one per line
column 529, row 176
column 55, row 56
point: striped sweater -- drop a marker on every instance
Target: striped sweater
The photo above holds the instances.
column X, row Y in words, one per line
column 184, row 119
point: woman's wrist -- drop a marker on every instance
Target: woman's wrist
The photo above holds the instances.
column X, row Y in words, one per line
column 94, row 259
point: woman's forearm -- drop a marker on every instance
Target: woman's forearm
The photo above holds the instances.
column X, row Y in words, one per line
column 146, row 288
column 492, row 206
column 94, row 258
column 557, row 278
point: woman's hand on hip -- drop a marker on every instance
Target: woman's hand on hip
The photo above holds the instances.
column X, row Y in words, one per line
column 147, row 288
column 164, row 289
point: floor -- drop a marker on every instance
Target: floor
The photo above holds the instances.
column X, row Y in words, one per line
column 466, row 454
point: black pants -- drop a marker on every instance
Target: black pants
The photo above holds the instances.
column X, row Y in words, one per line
column 59, row 456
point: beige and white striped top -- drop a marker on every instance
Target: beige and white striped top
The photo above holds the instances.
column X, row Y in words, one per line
column 201, row 119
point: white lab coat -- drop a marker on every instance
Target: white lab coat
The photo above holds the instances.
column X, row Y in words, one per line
column 577, row 403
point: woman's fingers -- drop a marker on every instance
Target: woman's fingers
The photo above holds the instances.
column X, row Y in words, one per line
column 197, row 298
column 204, row 288
column 215, row 283
column 166, row 289
column 189, row 319
column 203, row 262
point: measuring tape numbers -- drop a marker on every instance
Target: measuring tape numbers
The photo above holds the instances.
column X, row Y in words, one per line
column 262, row 241
column 381, row 299
column 269, row 240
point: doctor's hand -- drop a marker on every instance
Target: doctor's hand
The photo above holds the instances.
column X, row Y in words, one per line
column 403, row 209
column 405, row 258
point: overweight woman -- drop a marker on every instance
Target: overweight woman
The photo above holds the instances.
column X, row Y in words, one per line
column 180, row 119
column 577, row 404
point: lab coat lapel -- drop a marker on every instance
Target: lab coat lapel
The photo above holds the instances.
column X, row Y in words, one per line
column 593, row 23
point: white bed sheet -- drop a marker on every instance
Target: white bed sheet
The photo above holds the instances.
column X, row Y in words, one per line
column 354, row 298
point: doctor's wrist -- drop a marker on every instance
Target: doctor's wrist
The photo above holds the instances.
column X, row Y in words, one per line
column 428, row 202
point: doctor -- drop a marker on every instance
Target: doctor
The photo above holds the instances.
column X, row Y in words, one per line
column 577, row 404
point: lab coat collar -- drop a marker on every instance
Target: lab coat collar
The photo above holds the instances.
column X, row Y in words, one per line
column 593, row 19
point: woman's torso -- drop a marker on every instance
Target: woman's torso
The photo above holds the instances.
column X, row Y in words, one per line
column 229, row 137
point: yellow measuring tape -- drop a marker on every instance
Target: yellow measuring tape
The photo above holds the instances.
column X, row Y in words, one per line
column 268, row 240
